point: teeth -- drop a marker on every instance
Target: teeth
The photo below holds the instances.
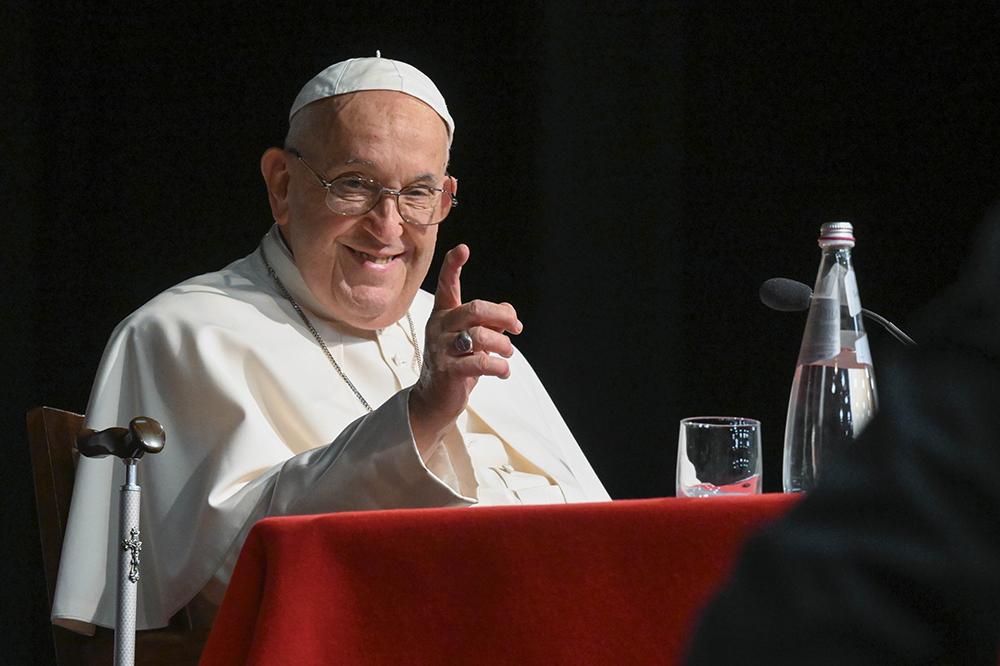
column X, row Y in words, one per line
column 373, row 259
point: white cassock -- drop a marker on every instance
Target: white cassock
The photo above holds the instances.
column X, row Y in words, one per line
column 259, row 423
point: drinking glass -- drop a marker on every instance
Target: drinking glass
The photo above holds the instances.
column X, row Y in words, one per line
column 718, row 455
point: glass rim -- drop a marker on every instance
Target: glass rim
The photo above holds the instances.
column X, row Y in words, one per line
column 721, row 421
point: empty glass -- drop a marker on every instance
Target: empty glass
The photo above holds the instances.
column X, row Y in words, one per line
column 718, row 455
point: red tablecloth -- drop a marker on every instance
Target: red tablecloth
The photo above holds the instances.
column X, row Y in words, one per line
column 604, row 583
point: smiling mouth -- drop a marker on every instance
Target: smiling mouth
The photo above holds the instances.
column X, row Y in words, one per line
column 378, row 261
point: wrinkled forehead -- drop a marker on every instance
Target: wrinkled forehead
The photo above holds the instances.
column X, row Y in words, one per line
column 356, row 124
column 374, row 110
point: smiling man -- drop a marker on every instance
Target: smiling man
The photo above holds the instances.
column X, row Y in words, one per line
column 296, row 380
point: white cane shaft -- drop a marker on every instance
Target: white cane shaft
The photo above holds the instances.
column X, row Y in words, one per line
column 128, row 559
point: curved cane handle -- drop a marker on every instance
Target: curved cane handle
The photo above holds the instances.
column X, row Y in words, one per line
column 143, row 435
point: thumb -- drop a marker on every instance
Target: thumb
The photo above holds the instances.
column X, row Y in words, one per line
column 449, row 288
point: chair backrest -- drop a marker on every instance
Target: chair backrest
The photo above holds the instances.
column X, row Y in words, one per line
column 52, row 436
column 52, row 433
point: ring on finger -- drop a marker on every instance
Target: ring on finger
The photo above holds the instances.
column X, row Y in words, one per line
column 463, row 343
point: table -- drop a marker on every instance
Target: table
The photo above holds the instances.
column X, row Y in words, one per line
column 600, row 583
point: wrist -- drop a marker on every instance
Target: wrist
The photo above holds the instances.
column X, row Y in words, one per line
column 427, row 425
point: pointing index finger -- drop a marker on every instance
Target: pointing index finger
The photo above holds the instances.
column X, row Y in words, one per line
column 449, row 287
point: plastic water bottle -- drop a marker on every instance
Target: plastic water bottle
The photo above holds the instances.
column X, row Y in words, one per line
column 833, row 394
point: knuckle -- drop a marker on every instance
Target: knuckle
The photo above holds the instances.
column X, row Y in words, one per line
column 481, row 362
column 477, row 308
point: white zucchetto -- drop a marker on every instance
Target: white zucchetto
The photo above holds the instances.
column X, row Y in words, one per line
column 376, row 73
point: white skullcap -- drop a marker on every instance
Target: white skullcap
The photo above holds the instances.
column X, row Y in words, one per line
column 376, row 73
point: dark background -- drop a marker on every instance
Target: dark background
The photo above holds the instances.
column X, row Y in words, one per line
column 631, row 172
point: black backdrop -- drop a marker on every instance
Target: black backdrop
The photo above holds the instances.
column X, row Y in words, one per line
column 631, row 172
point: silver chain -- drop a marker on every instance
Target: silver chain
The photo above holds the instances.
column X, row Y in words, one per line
column 319, row 338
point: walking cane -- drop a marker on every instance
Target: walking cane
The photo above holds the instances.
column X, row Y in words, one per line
column 143, row 435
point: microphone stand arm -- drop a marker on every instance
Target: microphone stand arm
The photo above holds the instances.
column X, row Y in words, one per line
column 889, row 326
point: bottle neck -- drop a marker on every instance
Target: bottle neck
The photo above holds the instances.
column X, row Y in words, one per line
column 836, row 274
column 841, row 253
column 834, row 325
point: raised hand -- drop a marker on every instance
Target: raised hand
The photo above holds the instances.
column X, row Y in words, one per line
column 450, row 372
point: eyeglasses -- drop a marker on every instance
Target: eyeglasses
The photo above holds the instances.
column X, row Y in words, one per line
column 354, row 195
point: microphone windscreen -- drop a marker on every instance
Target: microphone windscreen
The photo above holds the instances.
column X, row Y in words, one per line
column 785, row 295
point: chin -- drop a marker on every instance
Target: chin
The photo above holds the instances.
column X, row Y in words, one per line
column 371, row 315
column 372, row 307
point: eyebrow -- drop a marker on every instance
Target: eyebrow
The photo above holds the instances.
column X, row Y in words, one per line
column 424, row 177
column 358, row 160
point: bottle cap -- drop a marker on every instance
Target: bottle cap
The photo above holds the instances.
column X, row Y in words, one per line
column 836, row 233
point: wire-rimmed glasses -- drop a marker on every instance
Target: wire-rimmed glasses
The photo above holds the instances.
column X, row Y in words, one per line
column 354, row 195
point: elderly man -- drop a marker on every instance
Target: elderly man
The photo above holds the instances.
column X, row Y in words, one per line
column 294, row 380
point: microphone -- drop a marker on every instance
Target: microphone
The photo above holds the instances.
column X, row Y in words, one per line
column 790, row 296
column 785, row 295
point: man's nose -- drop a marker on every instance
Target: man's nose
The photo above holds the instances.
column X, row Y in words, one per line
column 384, row 219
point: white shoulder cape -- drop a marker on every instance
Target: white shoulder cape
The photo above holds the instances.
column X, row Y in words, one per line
column 259, row 424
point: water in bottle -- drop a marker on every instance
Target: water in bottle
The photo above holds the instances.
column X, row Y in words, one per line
column 833, row 394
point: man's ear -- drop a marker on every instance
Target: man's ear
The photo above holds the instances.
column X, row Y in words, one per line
column 450, row 184
column 275, row 168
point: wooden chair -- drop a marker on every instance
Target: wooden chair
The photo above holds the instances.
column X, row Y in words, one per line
column 52, row 435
